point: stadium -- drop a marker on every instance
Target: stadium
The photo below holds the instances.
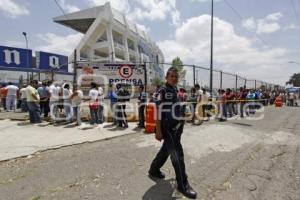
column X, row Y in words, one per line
column 109, row 37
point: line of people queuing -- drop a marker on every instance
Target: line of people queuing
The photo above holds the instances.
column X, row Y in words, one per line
column 43, row 98
column 229, row 103
column 61, row 103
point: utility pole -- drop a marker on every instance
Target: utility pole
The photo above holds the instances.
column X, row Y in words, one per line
column 211, row 46
column 146, row 77
column 27, row 64
column 75, row 68
column 194, row 74
column 221, row 80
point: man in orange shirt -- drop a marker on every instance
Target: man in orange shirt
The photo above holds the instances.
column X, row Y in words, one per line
column 3, row 95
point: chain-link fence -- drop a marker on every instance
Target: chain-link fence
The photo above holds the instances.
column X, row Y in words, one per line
column 189, row 76
column 192, row 75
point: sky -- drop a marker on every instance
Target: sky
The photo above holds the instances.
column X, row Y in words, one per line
column 253, row 38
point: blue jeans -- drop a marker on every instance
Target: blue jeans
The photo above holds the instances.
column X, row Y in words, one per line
column 76, row 113
column 94, row 116
column 100, row 113
column 34, row 112
column 54, row 110
column 142, row 115
column 68, row 112
column 113, row 111
column 24, row 105
column 11, row 102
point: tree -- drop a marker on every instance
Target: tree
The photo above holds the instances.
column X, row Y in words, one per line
column 294, row 80
column 177, row 63
column 157, row 81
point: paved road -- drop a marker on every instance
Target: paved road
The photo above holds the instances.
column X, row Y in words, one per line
column 239, row 159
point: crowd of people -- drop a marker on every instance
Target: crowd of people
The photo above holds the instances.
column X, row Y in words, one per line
column 64, row 102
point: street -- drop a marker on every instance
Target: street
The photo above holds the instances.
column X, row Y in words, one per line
column 238, row 159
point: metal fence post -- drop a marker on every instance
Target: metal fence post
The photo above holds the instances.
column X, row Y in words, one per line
column 221, row 80
column 255, row 84
column 194, row 74
column 236, row 82
column 146, row 81
column 75, row 68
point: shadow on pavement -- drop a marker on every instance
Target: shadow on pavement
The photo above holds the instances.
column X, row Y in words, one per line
column 242, row 124
column 117, row 129
column 44, row 124
column 109, row 126
column 24, row 124
column 138, row 129
column 71, row 126
column 162, row 190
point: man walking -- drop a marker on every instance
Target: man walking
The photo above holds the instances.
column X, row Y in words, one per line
column 169, row 128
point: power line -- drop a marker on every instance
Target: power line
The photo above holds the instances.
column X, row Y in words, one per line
column 242, row 19
column 61, row 9
column 295, row 12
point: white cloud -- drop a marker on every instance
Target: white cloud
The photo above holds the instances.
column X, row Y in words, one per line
column 249, row 23
column 12, row 9
column 156, row 10
column 274, row 16
column 291, row 27
column 59, row 44
column 232, row 52
column 266, row 25
column 68, row 7
column 203, row 1
column 143, row 28
column 153, row 10
column 121, row 5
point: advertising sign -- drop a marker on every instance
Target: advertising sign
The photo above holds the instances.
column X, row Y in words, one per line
column 112, row 73
column 50, row 61
column 15, row 57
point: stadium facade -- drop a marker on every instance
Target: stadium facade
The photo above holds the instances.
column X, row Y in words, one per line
column 109, row 37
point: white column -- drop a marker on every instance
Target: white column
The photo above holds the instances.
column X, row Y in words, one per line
column 126, row 51
column 112, row 54
column 125, row 41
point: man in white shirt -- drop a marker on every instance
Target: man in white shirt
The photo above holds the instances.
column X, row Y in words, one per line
column 11, row 98
column 54, row 100
column 67, row 93
column 94, row 104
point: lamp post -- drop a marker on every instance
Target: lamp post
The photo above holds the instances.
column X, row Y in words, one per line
column 27, row 63
column 293, row 62
column 211, row 46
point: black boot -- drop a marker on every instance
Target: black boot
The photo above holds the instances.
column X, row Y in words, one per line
column 188, row 191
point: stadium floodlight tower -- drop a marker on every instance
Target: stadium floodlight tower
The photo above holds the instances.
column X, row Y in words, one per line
column 109, row 37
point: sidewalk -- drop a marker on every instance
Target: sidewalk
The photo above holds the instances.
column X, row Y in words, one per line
column 19, row 139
